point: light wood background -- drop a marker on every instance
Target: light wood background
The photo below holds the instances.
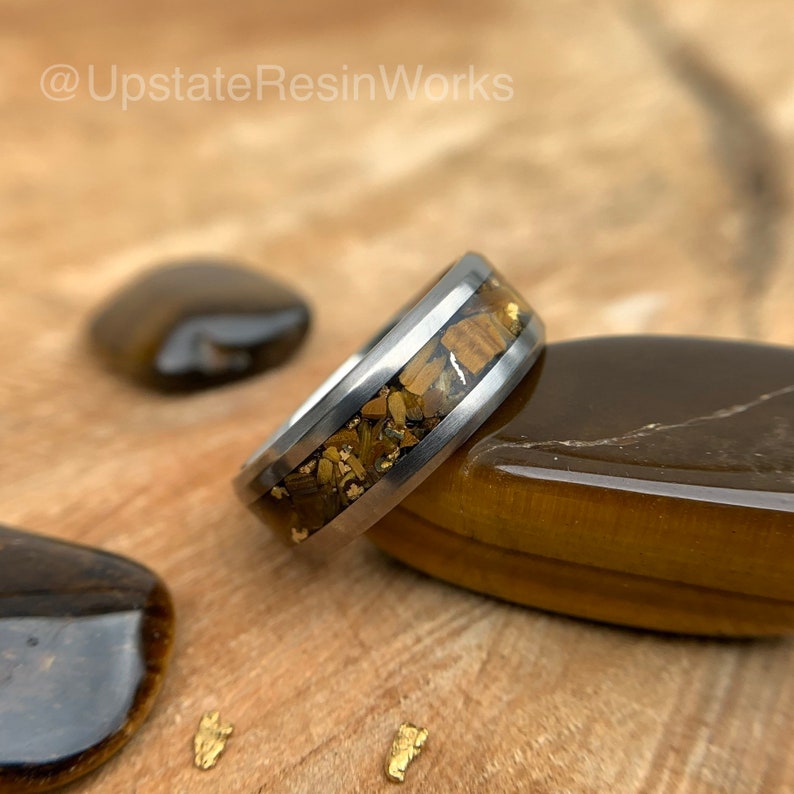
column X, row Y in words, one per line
column 638, row 181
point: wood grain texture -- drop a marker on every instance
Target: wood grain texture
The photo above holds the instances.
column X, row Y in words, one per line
column 638, row 181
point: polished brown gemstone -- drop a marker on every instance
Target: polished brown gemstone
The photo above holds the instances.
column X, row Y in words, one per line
column 84, row 641
column 197, row 324
column 646, row 481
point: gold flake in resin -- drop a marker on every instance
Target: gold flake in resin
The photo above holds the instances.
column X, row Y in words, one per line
column 354, row 491
column 309, row 467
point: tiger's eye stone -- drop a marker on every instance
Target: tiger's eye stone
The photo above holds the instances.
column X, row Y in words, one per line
column 84, row 641
column 645, row 481
column 197, row 324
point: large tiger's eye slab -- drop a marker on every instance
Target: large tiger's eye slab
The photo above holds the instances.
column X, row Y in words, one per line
column 646, row 481
column 197, row 324
column 84, row 641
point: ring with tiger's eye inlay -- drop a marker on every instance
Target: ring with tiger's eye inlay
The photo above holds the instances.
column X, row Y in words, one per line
column 395, row 410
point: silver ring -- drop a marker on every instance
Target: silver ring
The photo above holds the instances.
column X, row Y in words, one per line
column 395, row 410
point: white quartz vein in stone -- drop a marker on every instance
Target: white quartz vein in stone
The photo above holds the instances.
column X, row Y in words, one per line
column 634, row 436
column 454, row 361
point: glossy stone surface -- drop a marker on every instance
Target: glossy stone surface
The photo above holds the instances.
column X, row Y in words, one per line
column 85, row 638
column 197, row 324
column 647, row 481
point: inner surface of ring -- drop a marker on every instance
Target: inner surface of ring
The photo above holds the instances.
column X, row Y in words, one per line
column 385, row 430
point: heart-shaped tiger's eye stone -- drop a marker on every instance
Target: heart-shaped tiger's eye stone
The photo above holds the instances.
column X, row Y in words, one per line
column 197, row 324
column 84, row 641
column 646, row 481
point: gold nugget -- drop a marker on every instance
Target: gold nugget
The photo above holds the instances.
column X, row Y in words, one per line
column 407, row 744
column 210, row 740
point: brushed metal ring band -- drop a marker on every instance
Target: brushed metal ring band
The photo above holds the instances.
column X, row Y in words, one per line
column 395, row 410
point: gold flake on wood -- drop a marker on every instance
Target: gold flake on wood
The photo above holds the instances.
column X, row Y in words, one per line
column 406, row 745
column 210, row 740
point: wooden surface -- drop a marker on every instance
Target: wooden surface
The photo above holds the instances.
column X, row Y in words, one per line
column 638, row 181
